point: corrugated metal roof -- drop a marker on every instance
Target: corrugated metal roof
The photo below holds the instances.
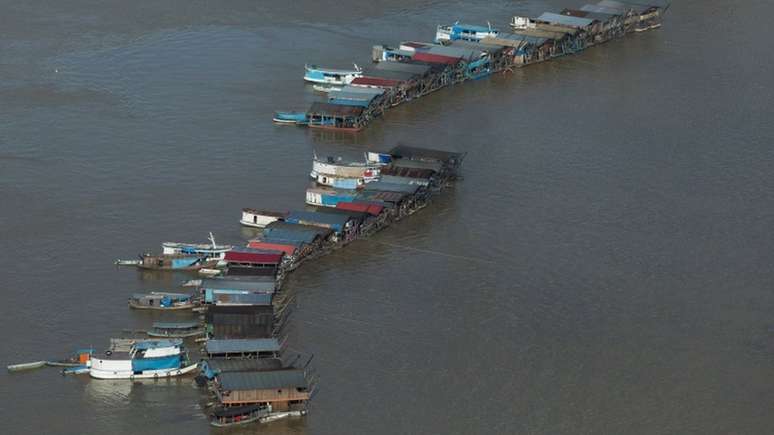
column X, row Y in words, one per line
column 375, row 81
column 417, row 153
column 227, row 283
column 350, row 95
column 480, row 46
column 258, row 244
column 435, row 58
column 565, row 20
column 381, row 186
column 417, row 164
column 327, row 109
column 268, row 380
column 404, row 67
column 459, row 52
column 408, row 172
column 322, row 218
column 514, row 40
column 244, row 365
column 243, row 345
column 373, row 195
column 297, row 228
column 257, row 256
column 362, row 90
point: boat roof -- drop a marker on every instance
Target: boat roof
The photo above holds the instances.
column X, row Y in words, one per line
column 175, row 325
column 417, row 153
column 198, row 246
column 317, row 217
column 412, row 68
column 320, row 108
column 244, row 365
column 383, row 186
column 514, row 40
column 156, row 344
column 277, row 214
column 160, row 295
column 473, row 27
column 565, row 20
column 296, row 228
column 331, row 70
column 417, row 164
column 251, row 284
column 245, row 345
column 268, row 380
column 362, row 90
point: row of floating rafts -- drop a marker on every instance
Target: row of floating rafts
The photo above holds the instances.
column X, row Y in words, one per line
column 242, row 311
column 464, row 52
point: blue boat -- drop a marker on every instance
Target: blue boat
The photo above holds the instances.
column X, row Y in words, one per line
column 464, row 32
column 330, row 76
column 296, row 118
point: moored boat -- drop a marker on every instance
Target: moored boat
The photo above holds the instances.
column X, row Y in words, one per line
column 464, row 32
column 330, row 76
column 150, row 359
column 255, row 218
column 238, row 415
column 295, row 118
column 161, row 301
column 176, row 262
column 210, row 250
column 176, row 329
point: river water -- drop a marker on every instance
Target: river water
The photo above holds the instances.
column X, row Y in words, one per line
column 604, row 266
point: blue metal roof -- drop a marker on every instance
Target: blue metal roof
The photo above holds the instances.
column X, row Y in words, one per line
column 322, row 218
column 565, row 20
column 348, row 102
column 227, row 283
column 472, row 27
column 243, row 345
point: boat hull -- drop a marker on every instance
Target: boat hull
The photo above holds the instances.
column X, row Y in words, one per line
column 272, row 416
column 183, row 335
column 172, row 308
column 148, row 374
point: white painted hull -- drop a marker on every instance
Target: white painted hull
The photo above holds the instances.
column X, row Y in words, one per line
column 148, row 374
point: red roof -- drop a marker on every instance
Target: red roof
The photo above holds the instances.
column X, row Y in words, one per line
column 373, row 209
column 257, row 244
column 375, row 81
column 254, row 257
column 435, row 58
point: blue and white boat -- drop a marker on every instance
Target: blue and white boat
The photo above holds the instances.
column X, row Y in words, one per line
column 330, row 76
column 296, row 118
column 464, row 32
column 150, row 359
column 205, row 250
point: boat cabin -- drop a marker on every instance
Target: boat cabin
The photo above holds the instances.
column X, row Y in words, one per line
column 161, row 301
column 330, row 76
column 284, row 390
column 212, row 368
column 256, row 218
column 464, row 32
column 247, row 261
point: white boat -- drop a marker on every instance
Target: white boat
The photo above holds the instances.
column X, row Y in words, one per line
column 205, row 250
column 334, row 167
column 255, row 218
column 209, row 272
column 330, row 76
column 148, row 359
